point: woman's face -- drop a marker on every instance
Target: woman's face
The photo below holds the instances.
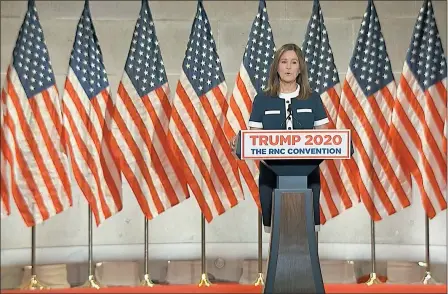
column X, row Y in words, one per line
column 288, row 66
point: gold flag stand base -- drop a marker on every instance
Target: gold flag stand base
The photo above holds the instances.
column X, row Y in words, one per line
column 91, row 283
column 146, row 282
column 204, row 281
column 428, row 279
column 373, row 280
column 33, row 284
column 260, row 280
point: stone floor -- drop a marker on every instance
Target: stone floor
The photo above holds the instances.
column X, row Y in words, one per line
column 219, row 270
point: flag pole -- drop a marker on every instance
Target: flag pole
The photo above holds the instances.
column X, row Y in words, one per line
column 427, row 279
column 92, row 281
column 260, row 279
column 204, row 278
column 34, row 283
column 373, row 276
column 147, row 282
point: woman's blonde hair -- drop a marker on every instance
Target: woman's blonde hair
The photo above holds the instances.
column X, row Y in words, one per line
column 273, row 88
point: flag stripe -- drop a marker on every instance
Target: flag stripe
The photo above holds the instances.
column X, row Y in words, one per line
column 431, row 113
column 408, row 158
column 82, row 159
column 179, row 134
column 141, row 119
column 413, row 144
column 139, row 184
column 86, row 136
column 429, row 184
column 330, row 174
column 164, row 153
column 21, row 108
column 5, row 179
column 43, row 119
column 364, row 142
column 434, row 154
column 420, row 112
column 240, row 102
column 200, row 131
column 199, row 114
column 328, row 206
column 362, row 159
column 54, row 109
column 109, row 162
column 221, row 138
column 5, row 168
column 16, row 115
column 21, row 202
column 128, row 105
column 34, row 162
column 251, row 80
column 134, row 177
column 366, row 112
column 351, row 173
column 330, row 98
column 88, row 107
column 339, row 193
column 86, row 125
column 246, row 90
column 237, row 121
column 27, row 174
column 339, row 187
column 5, row 209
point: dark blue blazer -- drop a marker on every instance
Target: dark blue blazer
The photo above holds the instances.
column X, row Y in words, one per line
column 270, row 113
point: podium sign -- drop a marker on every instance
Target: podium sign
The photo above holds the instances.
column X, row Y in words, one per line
column 295, row 144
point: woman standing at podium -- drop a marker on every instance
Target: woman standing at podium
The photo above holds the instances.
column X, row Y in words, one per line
column 288, row 103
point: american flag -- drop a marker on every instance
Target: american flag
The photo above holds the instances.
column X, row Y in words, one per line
column 419, row 122
column 5, row 208
column 87, row 107
column 366, row 108
column 251, row 79
column 34, row 167
column 196, row 127
column 143, row 109
column 336, row 194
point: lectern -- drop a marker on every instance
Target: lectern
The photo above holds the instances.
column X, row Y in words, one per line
column 293, row 262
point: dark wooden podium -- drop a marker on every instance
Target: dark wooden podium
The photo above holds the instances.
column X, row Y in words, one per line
column 293, row 262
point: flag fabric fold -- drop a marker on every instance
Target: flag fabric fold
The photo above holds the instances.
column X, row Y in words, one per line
column 87, row 107
column 252, row 78
column 338, row 193
column 5, row 208
column 196, row 128
column 140, row 124
column 34, row 166
column 366, row 108
column 419, row 121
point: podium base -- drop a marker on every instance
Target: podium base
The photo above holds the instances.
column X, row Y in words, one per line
column 293, row 262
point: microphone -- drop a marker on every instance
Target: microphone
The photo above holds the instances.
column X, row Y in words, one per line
column 292, row 116
column 288, row 117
